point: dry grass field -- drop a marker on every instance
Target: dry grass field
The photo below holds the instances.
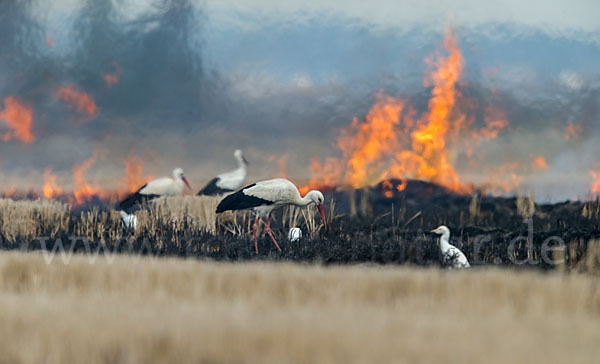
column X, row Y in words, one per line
column 172, row 310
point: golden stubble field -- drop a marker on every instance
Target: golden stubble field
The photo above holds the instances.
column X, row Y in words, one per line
column 190, row 311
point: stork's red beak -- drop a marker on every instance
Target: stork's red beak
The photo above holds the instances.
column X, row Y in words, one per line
column 322, row 212
column 186, row 182
column 245, row 161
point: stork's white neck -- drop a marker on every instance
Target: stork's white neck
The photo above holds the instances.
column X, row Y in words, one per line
column 445, row 242
column 241, row 164
column 303, row 201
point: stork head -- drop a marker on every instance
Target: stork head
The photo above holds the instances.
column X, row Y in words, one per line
column 441, row 230
column 240, row 156
column 178, row 175
column 318, row 198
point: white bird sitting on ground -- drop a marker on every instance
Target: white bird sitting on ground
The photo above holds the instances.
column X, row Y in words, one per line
column 130, row 220
column 229, row 181
column 166, row 186
column 451, row 255
column 294, row 234
column 266, row 196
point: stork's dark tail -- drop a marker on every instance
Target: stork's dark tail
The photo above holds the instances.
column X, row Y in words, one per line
column 230, row 202
column 211, row 189
column 241, row 201
column 134, row 200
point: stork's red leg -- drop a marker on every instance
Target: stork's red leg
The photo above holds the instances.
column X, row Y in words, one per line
column 269, row 232
column 255, row 226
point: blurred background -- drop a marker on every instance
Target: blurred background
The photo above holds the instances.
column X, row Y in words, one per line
column 106, row 94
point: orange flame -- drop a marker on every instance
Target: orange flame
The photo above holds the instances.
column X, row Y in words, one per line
column 393, row 142
column 596, row 183
column 50, row 188
column 134, row 174
column 388, row 188
column 9, row 191
column 495, row 122
column 503, row 178
column 18, row 118
column 83, row 103
column 401, row 186
column 538, row 162
column 323, row 175
column 282, row 166
column 82, row 190
column 572, row 131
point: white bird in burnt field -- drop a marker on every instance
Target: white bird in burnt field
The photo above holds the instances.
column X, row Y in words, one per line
column 266, row 196
column 165, row 186
column 452, row 257
column 230, row 181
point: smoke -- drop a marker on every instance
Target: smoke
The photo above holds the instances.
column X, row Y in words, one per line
column 183, row 83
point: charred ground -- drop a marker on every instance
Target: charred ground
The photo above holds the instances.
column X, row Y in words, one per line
column 382, row 224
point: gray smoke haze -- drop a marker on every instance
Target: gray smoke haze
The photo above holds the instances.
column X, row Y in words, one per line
column 192, row 81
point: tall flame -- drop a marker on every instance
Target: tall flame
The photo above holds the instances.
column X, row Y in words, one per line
column 50, row 188
column 394, row 142
column 19, row 119
column 429, row 149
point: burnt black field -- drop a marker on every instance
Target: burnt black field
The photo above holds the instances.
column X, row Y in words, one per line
column 375, row 226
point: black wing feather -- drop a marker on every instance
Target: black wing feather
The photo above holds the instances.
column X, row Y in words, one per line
column 135, row 199
column 241, row 201
column 211, row 189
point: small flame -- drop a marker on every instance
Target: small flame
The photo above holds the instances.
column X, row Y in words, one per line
column 9, row 191
column 50, row 188
column 388, row 188
column 596, row 183
column 401, row 186
column 19, row 119
column 503, row 178
column 134, row 174
column 281, row 164
column 82, row 190
column 495, row 122
column 83, row 103
column 323, row 175
column 538, row 162
column 112, row 78
column 573, row 130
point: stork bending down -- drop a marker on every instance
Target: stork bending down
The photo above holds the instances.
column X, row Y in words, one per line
column 266, row 196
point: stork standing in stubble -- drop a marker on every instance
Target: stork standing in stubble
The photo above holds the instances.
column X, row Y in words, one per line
column 266, row 196
column 166, row 186
column 229, row 181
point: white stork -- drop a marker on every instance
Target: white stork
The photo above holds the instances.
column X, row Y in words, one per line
column 266, row 196
column 451, row 255
column 229, row 181
column 166, row 186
